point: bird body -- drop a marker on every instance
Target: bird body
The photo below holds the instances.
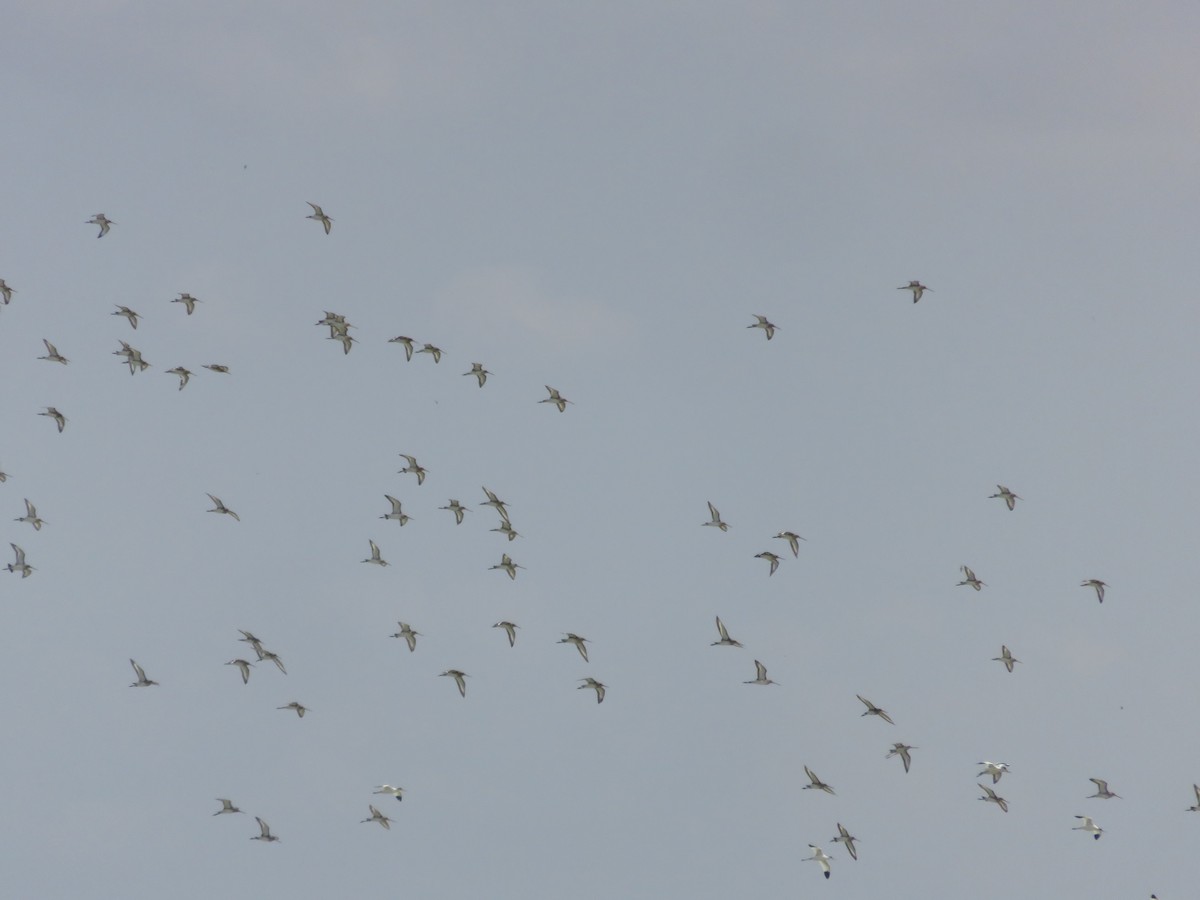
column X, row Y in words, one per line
column 873, row 710
column 19, row 564
column 556, row 398
column 375, row 558
column 1102, row 791
column 479, row 372
column 59, row 418
column 579, row 643
column 413, row 468
column 226, row 807
column 397, row 513
column 996, row 770
column 846, row 839
column 458, row 509
column 507, row 565
column 266, row 832
column 189, row 302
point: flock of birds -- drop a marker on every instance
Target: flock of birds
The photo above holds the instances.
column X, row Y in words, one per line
column 339, row 330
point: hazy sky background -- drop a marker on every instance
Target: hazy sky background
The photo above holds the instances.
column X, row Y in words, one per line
column 598, row 197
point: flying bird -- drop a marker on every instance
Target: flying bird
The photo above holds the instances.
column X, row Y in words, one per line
column 793, row 540
column 217, row 367
column 377, row 816
column 1102, row 791
column 128, row 314
column 760, row 675
column 493, row 500
column 902, row 751
column 460, row 678
column 873, row 710
column 1094, row 583
column 375, row 558
column 396, row 792
column 458, row 509
column 816, row 783
column 346, row 339
column 506, row 564
column 413, row 468
column 188, row 301
column 19, row 564
column 724, row 640
column 1089, row 826
column 6, row 291
column 408, row 634
column 992, row 797
column 846, row 838
column 243, row 667
column 917, row 289
column 300, row 708
column 1196, row 808
column 219, row 507
column 266, row 832
column 52, row 354
column 507, row 530
column 1006, row 495
column 994, row 769
column 397, row 513
column 183, row 374
column 142, row 680
column 226, row 807
column 479, row 372
column 820, row 857
column 318, row 215
column 408, row 346
column 58, row 417
column 31, row 516
column 716, row 518
column 435, row 352
column 970, row 579
column 767, row 327
column 1006, row 657
column 264, row 653
column 556, row 398
column 595, row 686
column 510, row 628
column 579, row 643
column 103, row 221
column 770, row 557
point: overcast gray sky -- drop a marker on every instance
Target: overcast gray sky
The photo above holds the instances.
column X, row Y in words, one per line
column 598, row 197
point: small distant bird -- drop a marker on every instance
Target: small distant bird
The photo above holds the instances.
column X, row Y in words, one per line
column 103, row 221
column 510, row 628
column 217, row 367
column 345, row 338
column 846, row 838
column 493, row 500
column 992, row 797
column 264, row 653
column 1196, row 808
column 1094, row 583
column 19, row 565
column 793, row 540
column 506, row 564
column 3, row 477
column 1006, row 657
column 1006, row 495
column 479, row 372
column 244, row 667
column 133, row 358
column 917, row 289
column 396, row 792
column 578, row 642
column 767, row 327
column 226, row 807
column 408, row 347
column 724, row 640
column 507, row 530
column 902, row 751
column 31, row 516
column 770, row 557
column 993, row 769
column 1102, row 791
column 219, row 507
column 128, row 314
column 249, row 638
column 460, row 678
column 816, row 783
column 318, row 215
column 1089, row 826
column 377, row 816
column 408, row 634
column 413, row 468
column 397, row 513
column 266, row 832
column 458, row 509
column 183, row 374
column 6, row 291
column 873, row 710
column 58, row 417
column 142, row 680
column 556, row 398
column 970, row 579
column 52, row 354
column 435, row 352
column 337, row 323
column 716, row 518
column 595, row 686
column 821, row 858
column 760, row 676
column 300, row 708
column 188, row 301
column 375, row 558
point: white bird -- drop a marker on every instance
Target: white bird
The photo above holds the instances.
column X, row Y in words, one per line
column 716, row 518
column 58, row 417
column 413, row 468
column 460, row 678
column 760, row 676
column 128, row 314
column 300, row 708
column 397, row 513
column 793, row 540
column 724, row 640
column 1102, row 791
column 217, row 367
column 458, row 509
column 219, row 507
column 243, row 667
column 1196, row 808
column 183, row 374
column 1094, row 583
column 318, row 215
column 510, row 628
column 375, row 558
column 873, row 710
column 578, row 642
column 917, row 289
column 479, row 372
column 396, row 792
column 595, row 685
column 266, row 832
column 770, row 557
column 996, row 770
column 188, row 301
column 821, row 858
column 767, row 327
column 556, row 398
column 507, row 565
column 31, row 516
column 377, row 816
column 408, row 345
column 19, row 565
column 1006, row 657
column 226, row 807
column 408, row 634
column 1006, row 495
column 1089, row 826
column 435, row 352
column 507, row 530
column 103, row 221
column 817, row 783
column 992, row 797
column 970, row 579
column 52, row 354
column 902, row 751
column 847, row 839
column 142, row 680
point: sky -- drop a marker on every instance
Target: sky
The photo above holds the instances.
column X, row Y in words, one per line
column 599, row 198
